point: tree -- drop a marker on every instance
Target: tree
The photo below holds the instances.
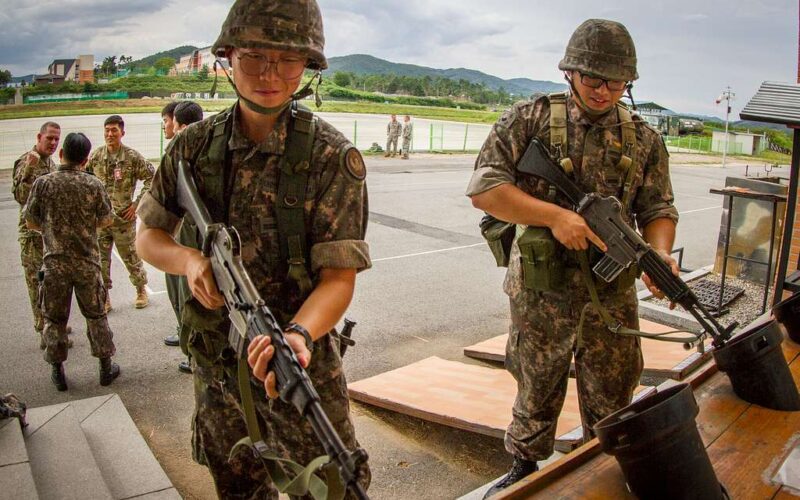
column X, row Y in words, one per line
column 203, row 73
column 109, row 65
column 164, row 64
column 342, row 79
column 5, row 76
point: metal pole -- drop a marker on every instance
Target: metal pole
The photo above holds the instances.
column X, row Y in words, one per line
column 466, row 131
column 788, row 221
column 769, row 257
column 430, row 144
column 727, row 95
column 355, row 133
column 725, row 248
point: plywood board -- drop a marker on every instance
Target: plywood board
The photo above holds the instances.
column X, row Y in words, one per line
column 661, row 359
column 470, row 397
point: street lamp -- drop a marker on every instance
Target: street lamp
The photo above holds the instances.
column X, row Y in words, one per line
column 728, row 96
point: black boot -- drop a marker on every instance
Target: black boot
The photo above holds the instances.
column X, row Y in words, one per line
column 108, row 371
column 58, row 377
column 520, row 469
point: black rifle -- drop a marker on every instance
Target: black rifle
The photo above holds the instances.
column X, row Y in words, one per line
column 250, row 317
column 625, row 247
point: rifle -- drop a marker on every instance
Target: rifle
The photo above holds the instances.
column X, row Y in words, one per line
column 625, row 247
column 251, row 317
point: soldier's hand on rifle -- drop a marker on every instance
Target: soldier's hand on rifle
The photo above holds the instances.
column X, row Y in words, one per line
column 260, row 352
column 200, row 277
column 673, row 265
column 571, row 230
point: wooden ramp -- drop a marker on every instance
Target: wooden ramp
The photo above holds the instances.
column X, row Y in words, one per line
column 746, row 444
column 661, row 359
column 469, row 397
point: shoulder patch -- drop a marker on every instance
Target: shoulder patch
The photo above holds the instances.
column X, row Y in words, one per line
column 351, row 161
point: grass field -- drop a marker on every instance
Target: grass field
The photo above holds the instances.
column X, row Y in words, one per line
column 154, row 106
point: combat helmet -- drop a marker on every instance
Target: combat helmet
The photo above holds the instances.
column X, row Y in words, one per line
column 294, row 25
column 601, row 48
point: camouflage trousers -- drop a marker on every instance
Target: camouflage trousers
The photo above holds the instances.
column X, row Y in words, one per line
column 391, row 145
column 124, row 237
column 406, row 146
column 55, row 294
column 542, row 341
column 219, row 424
column 32, row 251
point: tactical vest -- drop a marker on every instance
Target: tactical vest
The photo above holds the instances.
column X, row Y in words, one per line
column 218, row 174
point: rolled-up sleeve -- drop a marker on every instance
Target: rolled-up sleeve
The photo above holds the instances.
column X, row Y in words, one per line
column 339, row 220
column 655, row 199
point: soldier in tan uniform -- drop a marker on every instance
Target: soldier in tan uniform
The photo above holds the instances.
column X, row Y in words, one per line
column 605, row 149
column 393, row 130
column 29, row 167
column 119, row 168
column 302, row 248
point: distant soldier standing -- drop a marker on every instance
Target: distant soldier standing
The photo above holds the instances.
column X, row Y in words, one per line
column 69, row 206
column 393, row 131
column 29, row 167
column 119, row 168
column 408, row 134
column 557, row 307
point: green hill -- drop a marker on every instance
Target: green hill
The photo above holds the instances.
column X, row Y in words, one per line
column 362, row 64
column 175, row 53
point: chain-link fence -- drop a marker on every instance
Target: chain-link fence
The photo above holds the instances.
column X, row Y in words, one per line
column 143, row 133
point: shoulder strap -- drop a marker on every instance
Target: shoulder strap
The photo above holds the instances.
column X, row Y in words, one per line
column 627, row 161
column 558, row 130
column 289, row 208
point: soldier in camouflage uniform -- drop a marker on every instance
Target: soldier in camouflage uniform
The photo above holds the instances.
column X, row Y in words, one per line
column 269, row 43
column 393, row 130
column 69, row 206
column 408, row 133
column 29, row 167
column 546, row 330
column 119, row 168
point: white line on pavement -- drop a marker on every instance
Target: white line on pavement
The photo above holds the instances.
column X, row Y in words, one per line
column 428, row 252
column 699, row 210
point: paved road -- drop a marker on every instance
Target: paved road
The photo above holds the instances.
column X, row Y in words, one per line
column 433, row 290
column 143, row 132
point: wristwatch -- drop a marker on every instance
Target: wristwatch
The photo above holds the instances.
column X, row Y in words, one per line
column 296, row 328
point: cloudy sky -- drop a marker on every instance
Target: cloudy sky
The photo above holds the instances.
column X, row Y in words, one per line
column 689, row 50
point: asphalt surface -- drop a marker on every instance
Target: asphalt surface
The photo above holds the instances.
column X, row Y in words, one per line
column 433, row 289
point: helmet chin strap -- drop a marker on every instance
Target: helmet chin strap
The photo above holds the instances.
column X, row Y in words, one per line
column 586, row 109
column 300, row 94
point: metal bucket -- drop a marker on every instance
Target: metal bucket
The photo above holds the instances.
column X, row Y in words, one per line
column 759, row 374
column 787, row 312
column 657, row 445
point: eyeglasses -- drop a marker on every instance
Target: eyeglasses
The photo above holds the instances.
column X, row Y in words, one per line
column 595, row 83
column 255, row 64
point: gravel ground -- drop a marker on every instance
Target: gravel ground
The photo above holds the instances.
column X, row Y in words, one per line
column 744, row 309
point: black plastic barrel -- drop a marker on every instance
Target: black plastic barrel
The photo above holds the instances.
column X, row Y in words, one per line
column 759, row 374
column 787, row 312
column 657, row 445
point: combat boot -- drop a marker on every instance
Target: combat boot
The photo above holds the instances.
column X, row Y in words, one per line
column 141, row 298
column 108, row 371
column 58, row 377
column 519, row 469
column 107, row 306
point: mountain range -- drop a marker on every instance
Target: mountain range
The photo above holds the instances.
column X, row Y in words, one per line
column 363, row 64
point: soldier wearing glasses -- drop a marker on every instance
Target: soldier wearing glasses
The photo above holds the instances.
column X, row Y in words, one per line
column 605, row 149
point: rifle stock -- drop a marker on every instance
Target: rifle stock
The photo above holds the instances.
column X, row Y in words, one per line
column 625, row 246
column 251, row 317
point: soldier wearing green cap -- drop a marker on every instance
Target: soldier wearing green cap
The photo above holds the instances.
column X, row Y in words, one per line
column 555, row 320
column 294, row 188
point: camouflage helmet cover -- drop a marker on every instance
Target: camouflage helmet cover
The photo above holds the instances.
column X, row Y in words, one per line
column 601, row 48
column 294, row 25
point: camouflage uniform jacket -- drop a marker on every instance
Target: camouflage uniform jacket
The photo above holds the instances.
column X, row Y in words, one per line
column 394, row 128
column 408, row 130
column 119, row 175
column 594, row 148
column 69, row 205
column 24, row 176
column 335, row 206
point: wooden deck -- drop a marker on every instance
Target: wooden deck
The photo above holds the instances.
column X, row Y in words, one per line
column 661, row 359
column 746, row 444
